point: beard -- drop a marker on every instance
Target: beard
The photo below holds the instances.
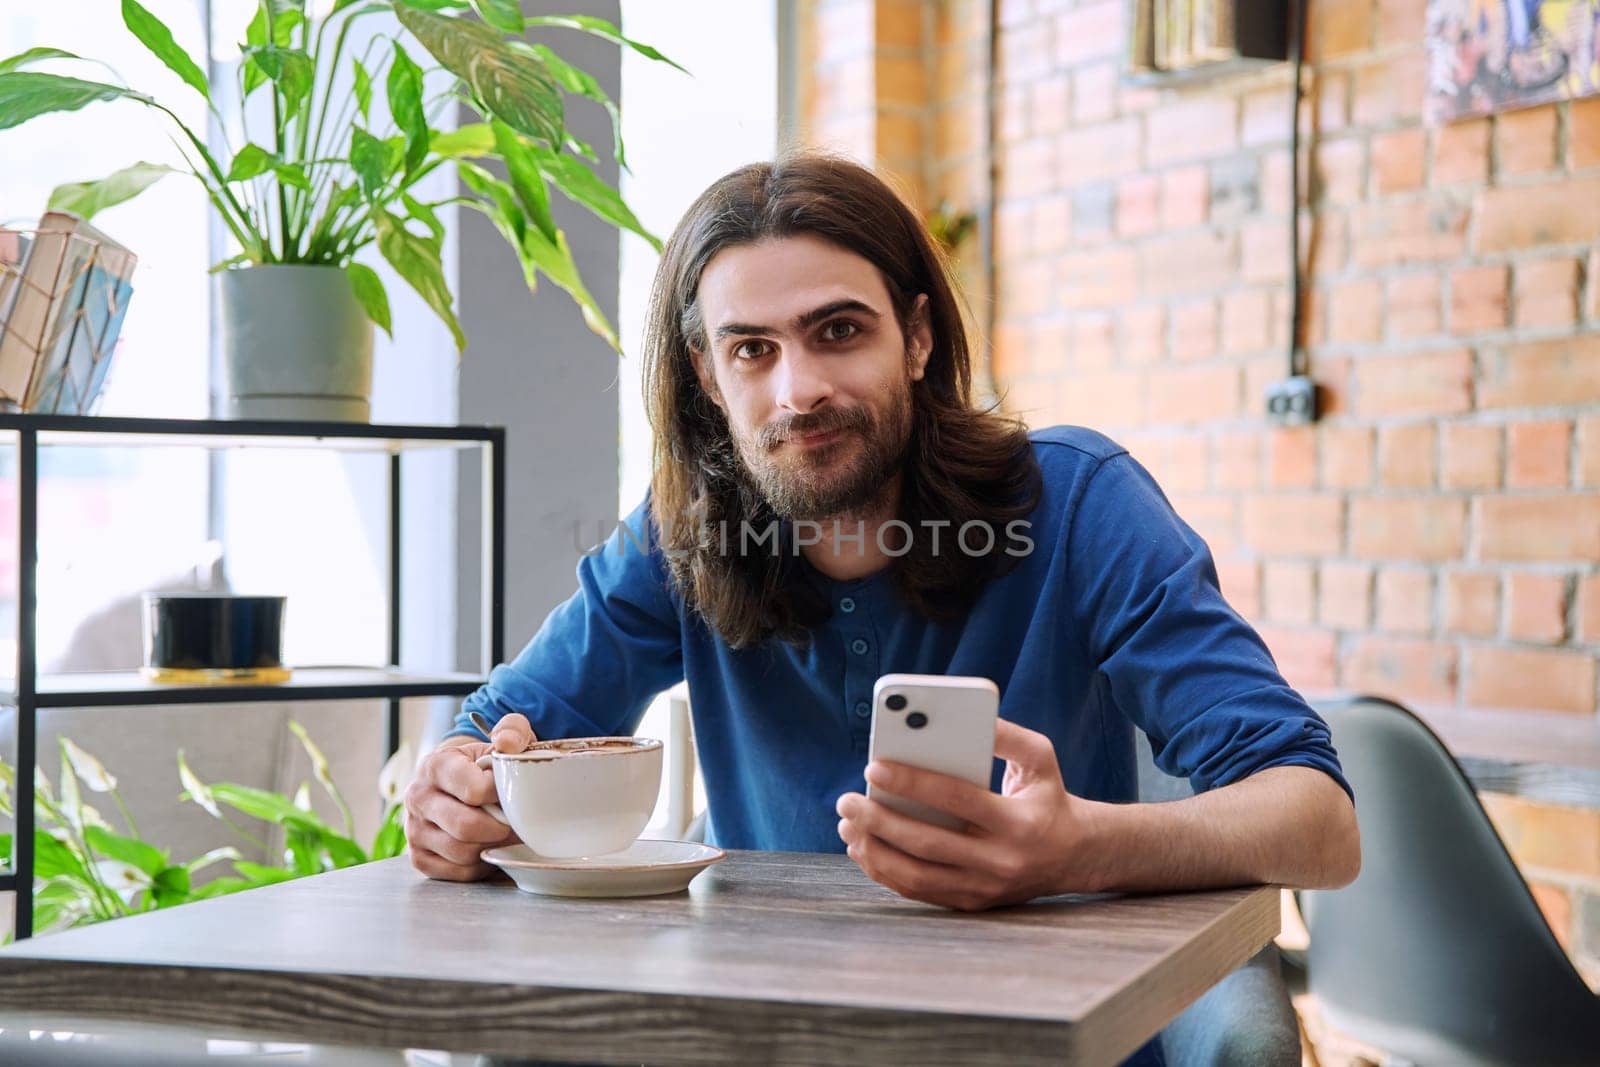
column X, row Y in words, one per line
column 847, row 475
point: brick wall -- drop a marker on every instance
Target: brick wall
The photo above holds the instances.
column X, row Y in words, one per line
column 1436, row 536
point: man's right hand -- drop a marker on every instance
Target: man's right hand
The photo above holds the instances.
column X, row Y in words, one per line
column 446, row 826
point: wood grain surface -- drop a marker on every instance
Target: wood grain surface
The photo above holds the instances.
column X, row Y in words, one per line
column 769, row 958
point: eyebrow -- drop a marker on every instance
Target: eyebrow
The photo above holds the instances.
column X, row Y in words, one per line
column 801, row 322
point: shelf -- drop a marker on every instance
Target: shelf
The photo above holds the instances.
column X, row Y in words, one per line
column 99, row 432
column 119, row 688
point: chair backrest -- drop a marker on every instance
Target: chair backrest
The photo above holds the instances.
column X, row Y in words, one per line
column 1437, row 952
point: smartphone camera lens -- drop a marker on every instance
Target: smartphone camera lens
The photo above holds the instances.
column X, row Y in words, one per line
column 916, row 720
column 896, row 702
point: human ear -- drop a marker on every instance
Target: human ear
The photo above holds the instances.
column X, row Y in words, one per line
column 702, row 370
column 920, row 336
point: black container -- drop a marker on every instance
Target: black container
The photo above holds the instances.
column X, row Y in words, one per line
column 213, row 638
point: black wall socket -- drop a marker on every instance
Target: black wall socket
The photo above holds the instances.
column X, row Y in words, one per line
column 1292, row 401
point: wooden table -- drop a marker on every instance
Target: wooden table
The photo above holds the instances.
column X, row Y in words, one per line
column 769, row 958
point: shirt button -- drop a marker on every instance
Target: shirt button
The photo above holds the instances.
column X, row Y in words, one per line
column 847, row 605
column 862, row 708
column 859, row 647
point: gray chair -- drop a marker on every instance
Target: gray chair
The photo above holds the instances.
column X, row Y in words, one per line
column 1437, row 953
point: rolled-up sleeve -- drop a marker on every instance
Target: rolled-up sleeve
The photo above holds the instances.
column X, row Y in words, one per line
column 1181, row 663
column 601, row 655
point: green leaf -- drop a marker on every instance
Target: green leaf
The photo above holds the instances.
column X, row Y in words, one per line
column 292, row 174
column 527, row 182
column 303, row 853
column 471, row 141
column 363, row 91
column 221, row 887
column 260, row 875
column 154, row 35
column 555, row 260
column 501, row 208
column 52, row 858
column 425, row 214
column 417, row 261
column 390, row 840
column 264, row 805
column 512, row 86
column 27, row 94
column 369, row 158
column 216, row 855
column 581, row 82
column 437, row 5
column 600, row 28
column 369, row 290
column 170, row 887
column 88, row 199
column 504, row 15
column 289, row 68
column 251, row 161
column 584, row 186
column 405, row 106
column 343, row 851
column 61, row 903
column 146, row 858
column 32, row 56
column 198, row 791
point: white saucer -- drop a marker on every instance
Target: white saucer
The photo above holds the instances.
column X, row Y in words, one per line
column 643, row 869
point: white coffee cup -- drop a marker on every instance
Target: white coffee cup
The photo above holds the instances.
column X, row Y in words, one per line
column 584, row 796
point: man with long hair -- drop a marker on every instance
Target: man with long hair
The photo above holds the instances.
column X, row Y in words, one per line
column 828, row 505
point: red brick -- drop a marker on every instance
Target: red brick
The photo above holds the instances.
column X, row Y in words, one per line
column 1583, row 134
column 1179, row 462
column 1547, row 292
column 1589, row 451
column 1107, row 150
column 1306, row 658
column 1461, row 153
column 1197, row 127
column 1246, row 321
column 1264, row 117
column 1298, row 524
column 1263, row 252
column 1399, row 159
column 1391, row 89
column 1290, row 591
column 1589, row 610
column 1413, row 305
column 1401, row 22
column 1592, row 312
column 1356, row 311
column 1525, row 140
column 1408, row 528
column 1240, row 580
column 1422, row 672
column 1049, row 102
column 1185, row 193
column 1344, row 595
column 1346, row 457
column 1194, row 330
column 1339, row 171
column 1472, row 603
column 1415, row 383
column 1028, row 290
column 1536, row 607
column 1338, row 28
column 1237, row 460
column 1142, row 334
column 1138, row 204
column 1394, row 232
column 1472, row 454
column 1478, row 299
column 1405, row 600
column 1543, row 836
column 1111, row 399
column 1194, row 394
column 1562, row 373
column 1275, row 183
column 1406, row 456
column 1292, row 458
column 1188, row 263
column 1050, row 346
column 1214, row 517
column 1522, row 216
column 1544, row 679
column 1330, row 95
column 1562, row 527
column 1051, row 224
column 1094, row 92
column 1537, row 454
column 1101, row 278
column 1085, row 33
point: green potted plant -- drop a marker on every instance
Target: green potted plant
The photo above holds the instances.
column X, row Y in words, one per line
column 337, row 173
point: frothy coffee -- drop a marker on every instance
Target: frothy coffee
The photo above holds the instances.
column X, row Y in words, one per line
column 584, row 746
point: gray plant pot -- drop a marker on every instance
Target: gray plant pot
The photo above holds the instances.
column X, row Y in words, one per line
column 295, row 345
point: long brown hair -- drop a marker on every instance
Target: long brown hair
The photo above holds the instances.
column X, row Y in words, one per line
column 962, row 463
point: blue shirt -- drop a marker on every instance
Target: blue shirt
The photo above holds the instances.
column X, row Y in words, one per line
column 1113, row 621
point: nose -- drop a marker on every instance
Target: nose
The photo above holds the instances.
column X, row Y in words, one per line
column 802, row 380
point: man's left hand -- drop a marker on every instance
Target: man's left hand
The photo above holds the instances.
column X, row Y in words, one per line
column 1021, row 843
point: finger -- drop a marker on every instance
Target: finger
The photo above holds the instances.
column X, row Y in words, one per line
column 464, row 822
column 1018, row 744
column 917, row 879
column 914, row 837
column 441, row 869
column 429, row 837
column 455, row 773
column 955, row 796
column 513, row 733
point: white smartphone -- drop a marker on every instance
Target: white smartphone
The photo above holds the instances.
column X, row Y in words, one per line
column 938, row 722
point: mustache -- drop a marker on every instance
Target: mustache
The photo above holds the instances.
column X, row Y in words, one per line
column 825, row 421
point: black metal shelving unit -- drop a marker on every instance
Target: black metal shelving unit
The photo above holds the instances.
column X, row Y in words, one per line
column 28, row 691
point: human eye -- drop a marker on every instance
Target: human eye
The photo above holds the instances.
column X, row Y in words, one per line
column 749, row 350
column 840, row 330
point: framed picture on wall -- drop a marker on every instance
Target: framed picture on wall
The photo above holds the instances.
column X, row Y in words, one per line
column 1494, row 55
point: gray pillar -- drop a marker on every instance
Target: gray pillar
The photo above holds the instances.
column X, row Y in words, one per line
column 533, row 366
